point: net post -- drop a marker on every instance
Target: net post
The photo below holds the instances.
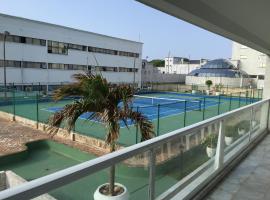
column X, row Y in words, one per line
column 37, row 111
column 203, row 108
column 137, row 128
column 158, row 112
column 14, row 104
column 185, row 112
column 200, row 105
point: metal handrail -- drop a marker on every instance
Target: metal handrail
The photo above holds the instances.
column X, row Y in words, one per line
column 44, row 184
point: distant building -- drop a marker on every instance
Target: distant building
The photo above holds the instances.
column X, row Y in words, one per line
column 251, row 61
column 220, row 71
column 179, row 65
column 49, row 54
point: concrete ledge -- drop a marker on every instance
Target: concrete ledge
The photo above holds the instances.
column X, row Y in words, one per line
column 9, row 179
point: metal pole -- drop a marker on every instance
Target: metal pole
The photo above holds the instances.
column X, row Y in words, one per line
column 14, row 103
column 239, row 100
column 203, row 108
column 6, row 33
column 137, row 128
column 37, row 109
column 185, row 113
column 218, row 104
column 230, row 106
column 158, row 112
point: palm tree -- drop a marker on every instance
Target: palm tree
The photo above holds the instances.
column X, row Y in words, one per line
column 101, row 99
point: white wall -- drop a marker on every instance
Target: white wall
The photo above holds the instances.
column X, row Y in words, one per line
column 233, row 82
column 34, row 53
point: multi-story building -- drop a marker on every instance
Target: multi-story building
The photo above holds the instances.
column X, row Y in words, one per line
column 49, row 54
column 251, row 61
column 179, row 65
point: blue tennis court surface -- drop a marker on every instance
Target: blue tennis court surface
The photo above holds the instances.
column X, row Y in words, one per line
column 154, row 107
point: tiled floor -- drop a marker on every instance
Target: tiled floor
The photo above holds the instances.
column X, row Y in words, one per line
column 250, row 180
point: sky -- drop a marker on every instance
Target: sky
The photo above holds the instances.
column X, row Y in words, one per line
column 161, row 33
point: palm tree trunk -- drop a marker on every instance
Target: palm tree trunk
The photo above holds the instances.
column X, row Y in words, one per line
column 112, row 174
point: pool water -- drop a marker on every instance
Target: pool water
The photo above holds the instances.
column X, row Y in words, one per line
column 45, row 157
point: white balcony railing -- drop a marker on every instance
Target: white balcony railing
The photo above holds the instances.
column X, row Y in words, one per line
column 171, row 152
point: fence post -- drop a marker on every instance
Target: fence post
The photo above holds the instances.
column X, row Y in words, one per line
column 246, row 96
column 152, row 173
column 185, row 112
column 37, row 110
column 203, row 108
column 219, row 158
column 239, row 100
column 230, row 105
column 137, row 128
column 158, row 113
column 218, row 104
column 14, row 105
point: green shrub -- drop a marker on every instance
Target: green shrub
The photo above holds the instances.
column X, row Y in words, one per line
column 231, row 131
column 245, row 124
column 210, row 140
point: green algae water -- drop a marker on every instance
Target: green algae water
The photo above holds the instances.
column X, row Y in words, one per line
column 46, row 157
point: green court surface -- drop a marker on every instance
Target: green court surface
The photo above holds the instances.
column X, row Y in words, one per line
column 37, row 110
column 45, row 157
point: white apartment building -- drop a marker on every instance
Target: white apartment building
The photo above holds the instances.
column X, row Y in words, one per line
column 49, row 54
column 179, row 65
column 251, row 61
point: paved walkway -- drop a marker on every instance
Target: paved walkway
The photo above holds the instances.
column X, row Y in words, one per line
column 250, row 180
column 14, row 136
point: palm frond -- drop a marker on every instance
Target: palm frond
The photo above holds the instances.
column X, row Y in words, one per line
column 145, row 125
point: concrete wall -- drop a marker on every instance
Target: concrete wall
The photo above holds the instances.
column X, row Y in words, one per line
column 232, row 82
column 34, row 53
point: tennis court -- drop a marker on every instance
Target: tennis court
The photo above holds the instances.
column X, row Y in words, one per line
column 167, row 110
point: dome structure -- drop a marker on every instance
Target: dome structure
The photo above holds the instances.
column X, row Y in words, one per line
column 218, row 68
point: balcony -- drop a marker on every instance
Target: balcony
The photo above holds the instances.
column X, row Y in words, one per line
column 175, row 165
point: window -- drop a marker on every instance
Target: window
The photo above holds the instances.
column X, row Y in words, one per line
column 57, row 47
column 36, row 65
column 66, row 66
column 261, row 77
column 77, row 47
column 101, row 50
column 243, row 57
column 10, row 63
column 24, row 40
column 128, row 54
column 124, row 69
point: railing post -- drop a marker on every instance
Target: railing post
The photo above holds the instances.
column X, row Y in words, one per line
column 219, row 158
column 152, row 173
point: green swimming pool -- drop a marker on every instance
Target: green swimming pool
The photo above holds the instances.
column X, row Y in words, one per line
column 45, row 157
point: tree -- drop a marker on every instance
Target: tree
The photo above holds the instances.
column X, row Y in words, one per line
column 158, row 63
column 208, row 83
column 102, row 100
